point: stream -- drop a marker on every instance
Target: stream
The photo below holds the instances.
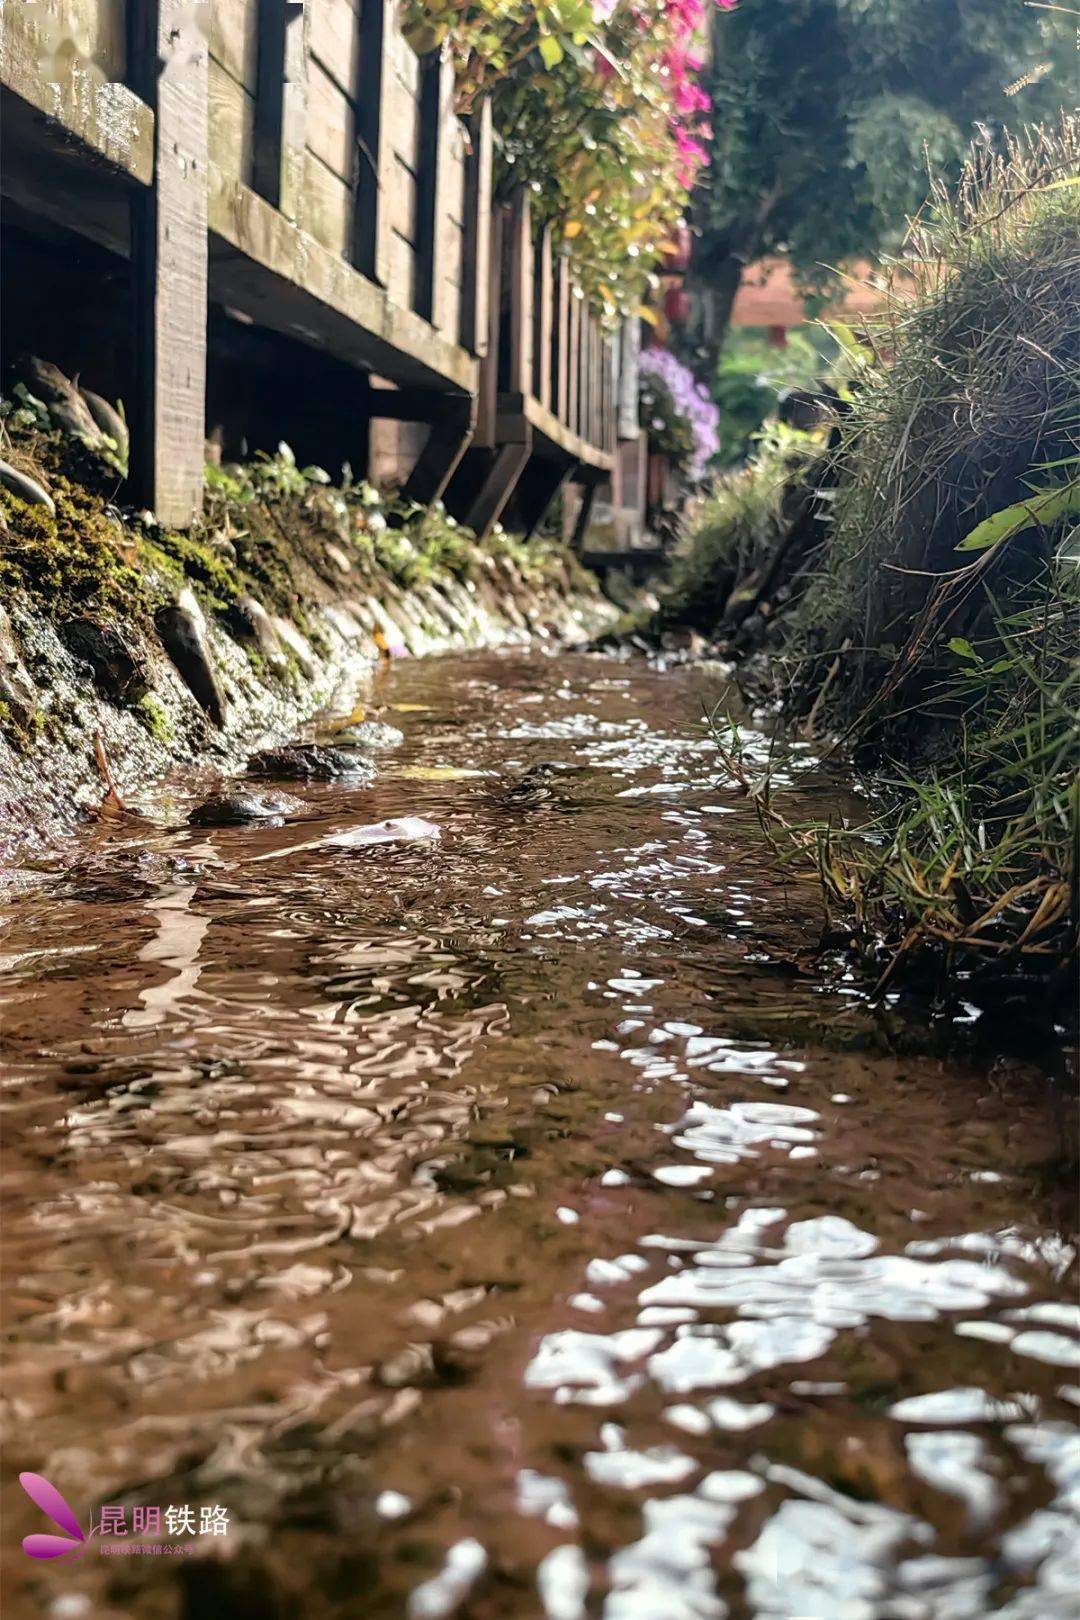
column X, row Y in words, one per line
column 518, row 1224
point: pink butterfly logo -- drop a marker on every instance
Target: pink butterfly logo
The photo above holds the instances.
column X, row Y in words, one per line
column 52, row 1504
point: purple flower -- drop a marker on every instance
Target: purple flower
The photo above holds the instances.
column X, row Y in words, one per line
column 660, row 371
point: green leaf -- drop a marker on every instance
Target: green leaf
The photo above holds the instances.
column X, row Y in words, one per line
column 551, row 51
column 1042, row 507
column 964, row 649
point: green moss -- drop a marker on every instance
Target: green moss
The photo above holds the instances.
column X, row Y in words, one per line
column 155, row 717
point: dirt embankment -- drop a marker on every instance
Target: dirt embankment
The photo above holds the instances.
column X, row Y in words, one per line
column 128, row 650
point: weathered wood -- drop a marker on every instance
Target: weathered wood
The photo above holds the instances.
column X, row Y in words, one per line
column 629, row 346
column 106, row 119
column 497, row 487
column 281, row 105
column 543, row 318
column 447, row 443
column 517, row 249
column 573, row 362
column 584, row 514
column 434, row 221
column 538, row 486
column 234, row 39
column 560, row 403
column 376, row 162
column 488, row 392
column 476, row 243
column 231, row 123
column 169, row 64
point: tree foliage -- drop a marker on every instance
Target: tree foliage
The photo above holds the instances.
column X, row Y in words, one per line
column 595, row 108
column 827, row 115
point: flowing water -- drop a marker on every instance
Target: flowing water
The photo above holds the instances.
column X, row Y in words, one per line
column 520, row 1223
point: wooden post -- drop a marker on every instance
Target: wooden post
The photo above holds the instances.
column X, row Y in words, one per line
column 537, row 488
column 520, row 264
column 447, row 443
column 476, row 244
column 487, row 403
column 375, row 155
column 584, row 513
column 560, row 380
column 498, row 486
column 168, row 65
column 436, row 173
column 544, row 299
column 281, row 104
column 573, row 362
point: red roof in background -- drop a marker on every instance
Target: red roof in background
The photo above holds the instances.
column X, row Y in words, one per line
column 768, row 296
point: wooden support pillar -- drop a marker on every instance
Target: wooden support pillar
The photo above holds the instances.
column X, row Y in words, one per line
column 168, row 67
column 436, row 176
column 543, row 319
column 520, row 279
column 447, row 443
column 498, row 485
column 584, row 514
column 560, row 370
column 573, row 361
column 538, row 486
column 476, row 243
column 487, row 404
column 280, row 105
column 375, row 147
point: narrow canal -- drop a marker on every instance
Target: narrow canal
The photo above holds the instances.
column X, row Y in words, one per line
column 520, row 1223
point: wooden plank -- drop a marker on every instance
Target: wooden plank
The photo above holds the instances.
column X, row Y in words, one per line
column 543, row 319
column 234, row 39
column 231, row 124
column 90, row 34
column 279, row 137
column 327, row 209
column 497, row 488
column 519, row 263
column 169, row 62
column 435, row 196
column 573, row 362
column 334, row 39
column 476, row 239
column 375, row 174
column 560, row 343
column 488, row 390
column 629, row 345
column 331, row 123
column 447, row 443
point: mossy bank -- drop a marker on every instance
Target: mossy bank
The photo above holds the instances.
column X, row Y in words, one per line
column 130, row 648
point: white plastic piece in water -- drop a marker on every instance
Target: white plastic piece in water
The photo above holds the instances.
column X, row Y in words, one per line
column 568, row 1217
column 392, row 1505
column 397, row 830
column 439, row 1597
column 562, row 1579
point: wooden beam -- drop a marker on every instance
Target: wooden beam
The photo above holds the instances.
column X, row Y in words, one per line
column 497, row 487
column 476, row 244
column 168, row 62
column 584, row 513
column 538, row 486
column 573, row 363
column 375, row 155
column 280, row 104
column 543, row 319
column 439, row 459
column 520, row 287
column 488, row 391
column 560, row 404
column 433, row 224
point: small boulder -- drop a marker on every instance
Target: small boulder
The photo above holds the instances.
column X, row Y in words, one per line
column 241, row 809
column 182, row 629
column 17, row 689
column 369, row 735
column 119, row 670
column 311, row 762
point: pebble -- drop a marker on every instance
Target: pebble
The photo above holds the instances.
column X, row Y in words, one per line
column 310, row 761
column 369, row 734
column 182, row 629
column 240, row 809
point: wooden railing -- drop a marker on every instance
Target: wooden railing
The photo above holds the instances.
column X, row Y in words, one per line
column 300, row 166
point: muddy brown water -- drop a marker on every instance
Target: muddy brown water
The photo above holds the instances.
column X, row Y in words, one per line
column 519, row 1224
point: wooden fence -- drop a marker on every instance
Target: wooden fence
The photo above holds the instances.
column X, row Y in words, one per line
column 300, row 167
